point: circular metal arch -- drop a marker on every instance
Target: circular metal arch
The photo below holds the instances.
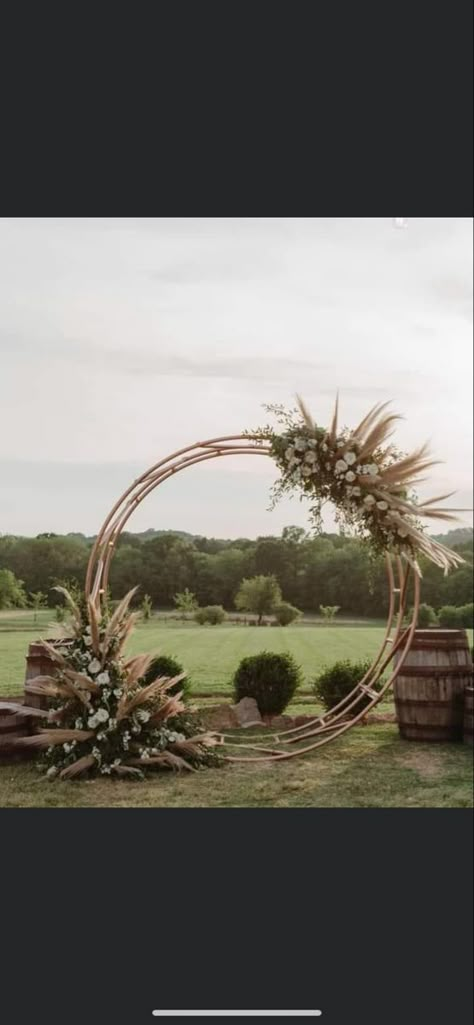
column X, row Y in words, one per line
column 324, row 728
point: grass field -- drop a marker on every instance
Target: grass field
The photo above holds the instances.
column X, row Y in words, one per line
column 209, row 654
column 370, row 767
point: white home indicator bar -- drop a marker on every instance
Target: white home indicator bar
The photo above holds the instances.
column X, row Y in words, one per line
column 238, row 1014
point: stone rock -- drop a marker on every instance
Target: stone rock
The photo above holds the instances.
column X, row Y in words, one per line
column 247, row 713
column 219, row 717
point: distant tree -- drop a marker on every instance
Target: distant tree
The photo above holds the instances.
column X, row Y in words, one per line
column 186, row 601
column 37, row 601
column 329, row 611
column 259, row 595
column 146, row 608
column 12, row 594
column 285, row 613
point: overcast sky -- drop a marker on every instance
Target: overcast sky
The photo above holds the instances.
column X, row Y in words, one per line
column 124, row 339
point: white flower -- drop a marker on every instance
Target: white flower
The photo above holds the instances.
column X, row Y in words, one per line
column 143, row 715
column 369, row 500
column 350, row 458
column 356, row 491
column 102, row 715
column 103, row 678
column 78, row 724
column 92, row 722
column 118, row 692
column 341, row 466
column 350, row 476
column 306, row 471
column 300, row 444
column 324, row 447
column 289, row 452
column 328, row 466
column 144, row 755
column 310, row 457
column 52, row 771
column 94, row 666
column 117, row 761
column 372, row 469
column 101, row 736
column 382, row 505
column 87, row 640
column 341, row 444
column 402, row 531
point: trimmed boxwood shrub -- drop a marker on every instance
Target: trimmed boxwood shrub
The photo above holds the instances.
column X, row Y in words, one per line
column 285, row 613
column 269, row 678
column 212, row 614
column 166, row 665
column 338, row 680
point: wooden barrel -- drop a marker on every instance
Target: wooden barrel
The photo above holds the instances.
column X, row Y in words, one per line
column 429, row 690
column 39, row 663
column 469, row 715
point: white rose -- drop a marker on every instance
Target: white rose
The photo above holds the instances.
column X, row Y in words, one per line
column 306, row 471
column 143, row 715
column 118, row 692
column 289, row 453
column 341, row 466
column 102, row 715
column 350, row 476
column 310, row 457
column 92, row 722
column 300, row 444
column 356, row 491
column 340, row 444
column 372, row 469
column 369, row 500
column 87, row 640
column 103, row 678
column 94, row 666
column 382, row 505
column 350, row 458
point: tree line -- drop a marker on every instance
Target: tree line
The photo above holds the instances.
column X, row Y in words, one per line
column 326, row 570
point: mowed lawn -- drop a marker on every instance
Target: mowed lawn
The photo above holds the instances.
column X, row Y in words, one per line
column 209, row 654
column 369, row 767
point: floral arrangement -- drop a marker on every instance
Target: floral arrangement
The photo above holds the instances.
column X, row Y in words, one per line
column 103, row 717
column 369, row 482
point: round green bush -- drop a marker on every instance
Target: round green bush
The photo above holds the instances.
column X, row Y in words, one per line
column 212, row 614
column 453, row 617
column 426, row 616
column 338, row 680
column 269, row 678
column 285, row 613
column 166, row 665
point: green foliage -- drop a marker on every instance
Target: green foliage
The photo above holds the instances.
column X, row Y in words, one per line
column 269, row 678
column 210, row 614
column 12, row 594
column 426, row 617
column 338, row 680
column 259, row 595
column 146, row 608
column 311, row 571
column 37, row 601
column 166, row 665
column 60, row 613
column 329, row 611
column 186, row 601
column 453, row 617
column 285, row 613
